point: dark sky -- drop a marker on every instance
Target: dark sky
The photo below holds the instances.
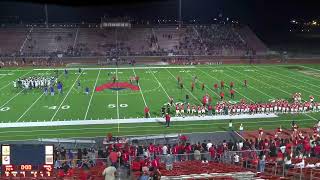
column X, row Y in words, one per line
column 259, row 14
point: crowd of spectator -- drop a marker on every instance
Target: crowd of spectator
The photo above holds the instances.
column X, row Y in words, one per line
column 286, row 148
column 216, row 39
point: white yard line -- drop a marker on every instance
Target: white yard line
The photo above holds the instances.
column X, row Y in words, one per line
column 310, row 68
column 92, row 93
column 10, row 72
column 282, row 91
column 11, row 99
column 294, row 78
column 231, row 77
column 54, row 115
column 299, row 74
column 186, row 88
column 25, row 112
column 270, row 76
column 221, row 122
column 159, row 83
column 249, row 86
column 17, row 78
column 141, row 91
column 118, row 113
column 246, row 117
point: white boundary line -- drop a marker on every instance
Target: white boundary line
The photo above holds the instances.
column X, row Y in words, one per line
column 132, row 120
column 185, row 88
column 141, row 92
column 54, row 115
column 148, row 126
column 124, row 68
column 186, row 127
column 92, row 93
column 17, row 78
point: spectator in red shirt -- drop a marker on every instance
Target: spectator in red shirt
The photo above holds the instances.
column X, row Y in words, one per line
column 113, row 158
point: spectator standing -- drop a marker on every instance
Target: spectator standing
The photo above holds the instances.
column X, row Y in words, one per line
column 113, row 157
column 236, row 159
column 109, row 173
column 169, row 162
column 262, row 163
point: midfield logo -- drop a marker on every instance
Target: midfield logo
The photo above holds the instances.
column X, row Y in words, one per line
column 117, row 86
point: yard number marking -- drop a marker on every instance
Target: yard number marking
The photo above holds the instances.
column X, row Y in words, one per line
column 120, row 105
column 185, row 71
column 65, row 107
column 5, row 109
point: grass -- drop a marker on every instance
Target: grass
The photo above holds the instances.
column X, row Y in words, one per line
column 265, row 82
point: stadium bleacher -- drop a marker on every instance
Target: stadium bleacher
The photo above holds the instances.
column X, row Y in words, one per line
column 217, row 40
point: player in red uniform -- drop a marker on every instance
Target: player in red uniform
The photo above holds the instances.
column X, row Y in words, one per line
column 232, row 94
column 146, row 112
column 168, row 118
column 221, row 95
column 177, row 110
column 182, row 109
column 231, row 84
column 215, row 86
column 311, row 98
column 137, row 79
column 222, row 84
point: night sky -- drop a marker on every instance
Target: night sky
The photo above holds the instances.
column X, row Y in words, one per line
column 262, row 15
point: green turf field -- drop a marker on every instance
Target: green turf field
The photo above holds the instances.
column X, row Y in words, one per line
column 265, row 82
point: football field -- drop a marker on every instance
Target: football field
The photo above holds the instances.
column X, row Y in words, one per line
column 121, row 101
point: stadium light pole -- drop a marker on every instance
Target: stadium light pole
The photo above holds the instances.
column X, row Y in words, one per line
column 46, row 14
column 180, row 13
